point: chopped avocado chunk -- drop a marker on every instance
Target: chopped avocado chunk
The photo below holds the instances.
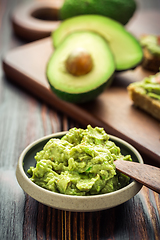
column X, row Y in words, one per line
column 119, row 10
column 80, row 163
column 81, row 67
column 125, row 47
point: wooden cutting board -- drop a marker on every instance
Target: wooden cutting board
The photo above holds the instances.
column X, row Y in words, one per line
column 113, row 110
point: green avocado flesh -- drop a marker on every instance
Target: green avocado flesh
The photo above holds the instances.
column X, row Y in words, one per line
column 80, row 163
column 124, row 46
column 86, row 87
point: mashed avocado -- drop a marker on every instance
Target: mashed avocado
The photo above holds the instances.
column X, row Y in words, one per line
column 152, row 43
column 80, row 163
column 150, row 86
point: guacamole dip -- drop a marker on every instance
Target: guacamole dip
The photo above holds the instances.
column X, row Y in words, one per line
column 80, row 163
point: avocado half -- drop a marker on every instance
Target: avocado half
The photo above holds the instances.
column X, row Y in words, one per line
column 119, row 10
column 124, row 46
column 88, row 83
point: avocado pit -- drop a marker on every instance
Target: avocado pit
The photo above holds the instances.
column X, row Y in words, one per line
column 79, row 62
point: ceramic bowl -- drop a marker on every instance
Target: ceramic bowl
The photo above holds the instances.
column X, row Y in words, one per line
column 68, row 202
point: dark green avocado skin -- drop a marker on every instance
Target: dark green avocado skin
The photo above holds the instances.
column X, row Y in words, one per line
column 119, row 10
column 82, row 97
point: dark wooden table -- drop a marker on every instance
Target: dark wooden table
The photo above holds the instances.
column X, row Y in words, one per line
column 23, row 119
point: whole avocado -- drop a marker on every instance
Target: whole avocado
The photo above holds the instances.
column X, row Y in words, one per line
column 119, row 10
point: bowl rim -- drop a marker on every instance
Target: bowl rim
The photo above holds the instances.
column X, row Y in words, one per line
column 27, row 185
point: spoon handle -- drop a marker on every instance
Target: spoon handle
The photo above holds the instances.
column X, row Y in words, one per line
column 143, row 173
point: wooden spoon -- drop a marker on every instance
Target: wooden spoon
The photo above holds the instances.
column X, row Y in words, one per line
column 148, row 175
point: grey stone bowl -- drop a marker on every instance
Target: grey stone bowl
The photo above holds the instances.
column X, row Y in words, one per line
column 69, row 202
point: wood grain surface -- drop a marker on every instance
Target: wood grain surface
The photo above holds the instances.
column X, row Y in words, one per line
column 23, row 119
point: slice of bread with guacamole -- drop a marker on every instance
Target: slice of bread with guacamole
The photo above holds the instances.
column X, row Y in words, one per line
column 146, row 94
column 151, row 51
